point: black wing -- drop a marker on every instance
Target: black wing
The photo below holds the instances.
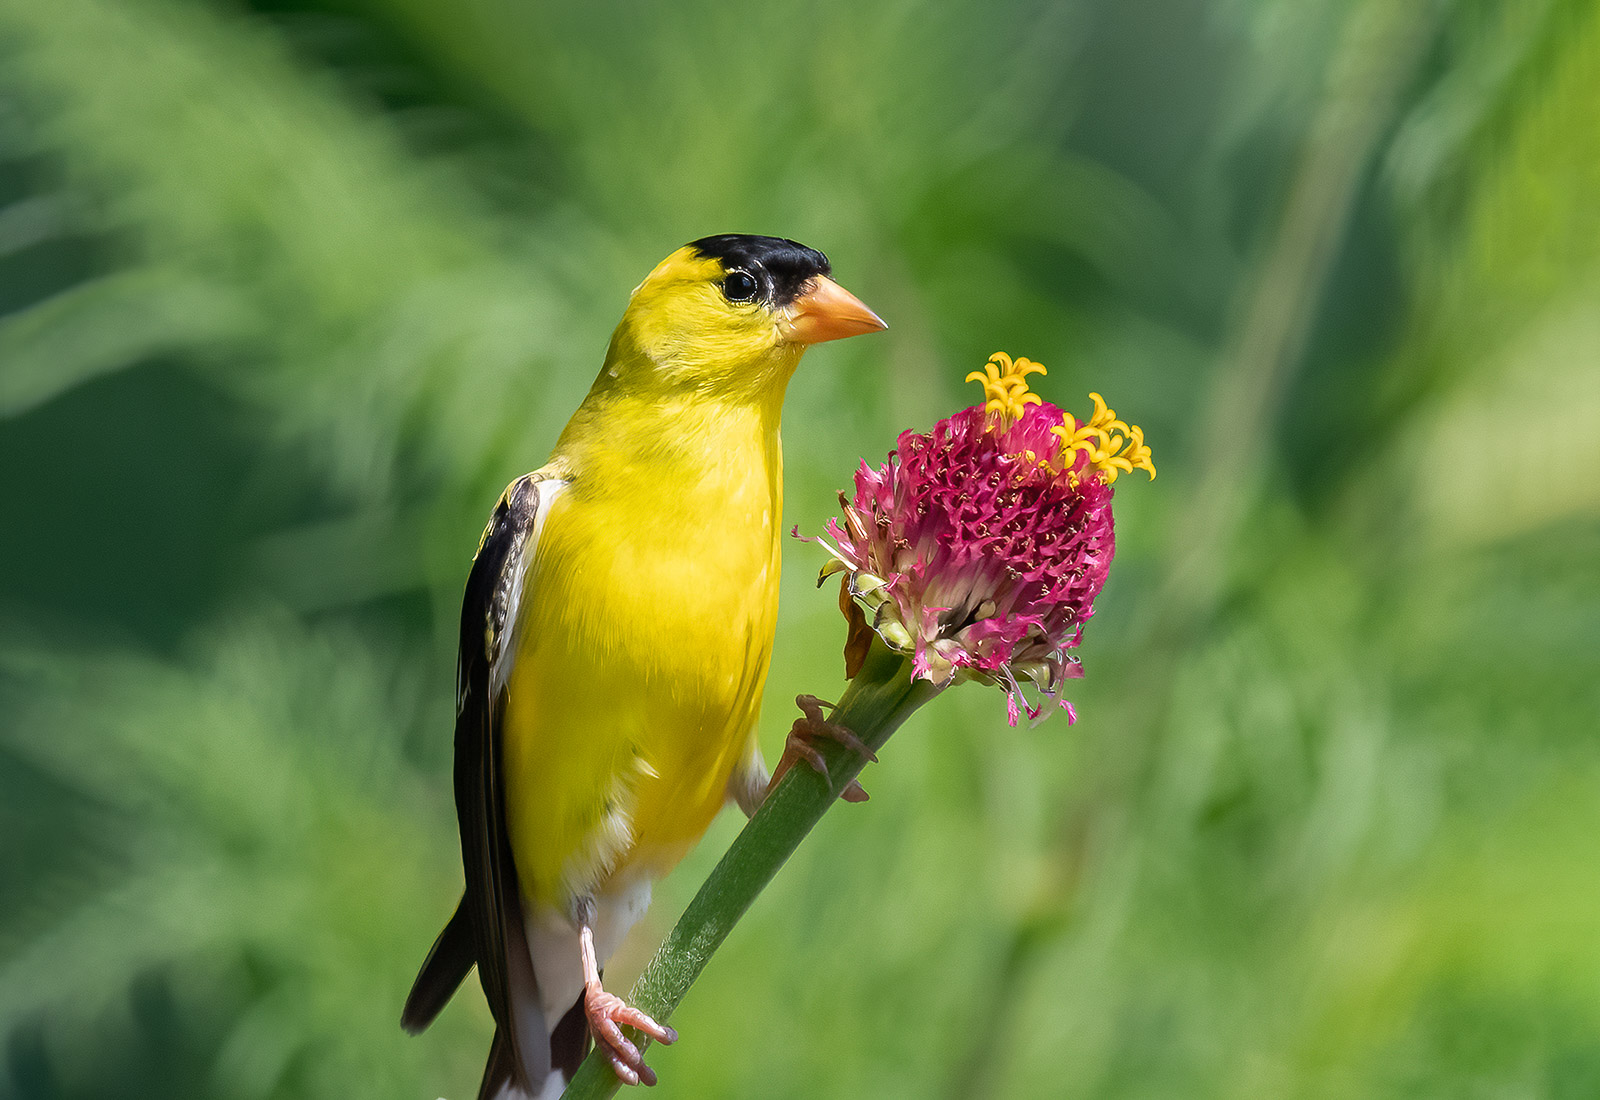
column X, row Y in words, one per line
column 487, row 928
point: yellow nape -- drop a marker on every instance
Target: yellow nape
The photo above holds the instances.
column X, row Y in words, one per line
column 680, row 331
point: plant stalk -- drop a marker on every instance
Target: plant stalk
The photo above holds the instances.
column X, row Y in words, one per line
column 878, row 700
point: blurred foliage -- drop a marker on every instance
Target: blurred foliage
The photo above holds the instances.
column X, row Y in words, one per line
column 290, row 288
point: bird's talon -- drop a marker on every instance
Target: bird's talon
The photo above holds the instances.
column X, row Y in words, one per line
column 809, row 751
column 813, row 727
column 637, row 1019
column 849, row 740
column 809, row 729
column 606, row 1012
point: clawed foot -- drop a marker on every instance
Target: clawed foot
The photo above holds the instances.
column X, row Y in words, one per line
column 814, row 727
column 606, row 1012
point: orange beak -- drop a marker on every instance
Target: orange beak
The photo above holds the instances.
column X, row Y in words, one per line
column 827, row 311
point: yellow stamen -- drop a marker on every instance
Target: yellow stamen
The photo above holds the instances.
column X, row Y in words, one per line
column 1005, row 386
column 1113, row 446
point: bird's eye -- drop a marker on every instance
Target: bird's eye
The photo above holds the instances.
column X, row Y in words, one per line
column 740, row 286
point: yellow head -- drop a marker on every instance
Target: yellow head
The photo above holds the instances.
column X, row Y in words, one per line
column 731, row 315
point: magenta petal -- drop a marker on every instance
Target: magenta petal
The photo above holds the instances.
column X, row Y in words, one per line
column 995, row 547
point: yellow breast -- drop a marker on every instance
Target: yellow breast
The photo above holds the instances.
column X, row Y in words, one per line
column 645, row 634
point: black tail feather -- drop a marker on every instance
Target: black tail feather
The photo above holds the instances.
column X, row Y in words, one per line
column 501, row 1070
column 451, row 958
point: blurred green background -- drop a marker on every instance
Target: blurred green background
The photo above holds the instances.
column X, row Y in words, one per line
column 289, row 289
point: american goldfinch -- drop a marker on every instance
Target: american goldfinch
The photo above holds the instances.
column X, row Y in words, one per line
column 615, row 636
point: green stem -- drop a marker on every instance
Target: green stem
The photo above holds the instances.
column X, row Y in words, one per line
column 877, row 701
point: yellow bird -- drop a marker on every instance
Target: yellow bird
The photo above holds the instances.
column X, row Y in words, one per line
column 615, row 636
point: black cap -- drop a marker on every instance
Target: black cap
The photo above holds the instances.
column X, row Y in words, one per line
column 781, row 266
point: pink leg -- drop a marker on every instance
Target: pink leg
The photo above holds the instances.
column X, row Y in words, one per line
column 606, row 1011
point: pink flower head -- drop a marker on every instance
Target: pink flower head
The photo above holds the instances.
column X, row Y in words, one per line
column 978, row 548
